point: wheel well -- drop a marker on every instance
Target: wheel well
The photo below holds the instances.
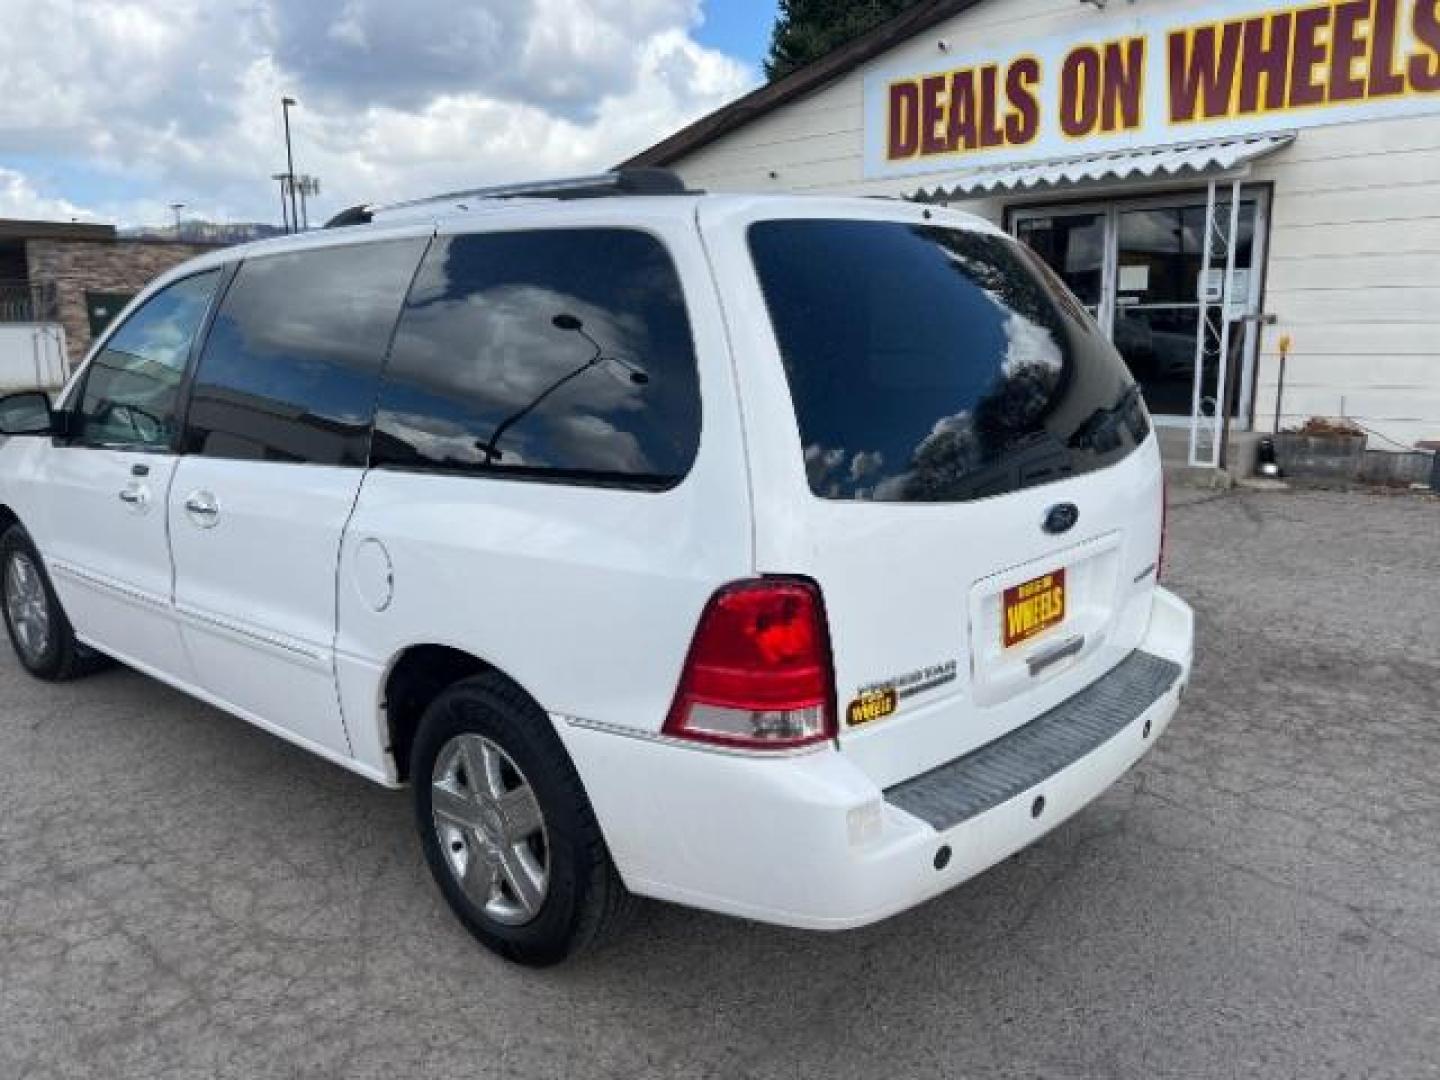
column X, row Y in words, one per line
column 417, row 679
column 7, row 517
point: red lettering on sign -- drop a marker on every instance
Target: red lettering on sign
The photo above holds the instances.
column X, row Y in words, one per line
column 1347, row 45
column 1080, row 92
column 1386, row 77
column 1425, row 69
column 1265, row 47
column 1309, row 53
column 991, row 133
column 904, row 121
column 1022, row 123
column 1124, row 84
column 1202, row 72
column 962, row 110
column 932, row 115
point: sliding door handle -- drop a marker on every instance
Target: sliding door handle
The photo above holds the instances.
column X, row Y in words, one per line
column 136, row 497
column 203, row 509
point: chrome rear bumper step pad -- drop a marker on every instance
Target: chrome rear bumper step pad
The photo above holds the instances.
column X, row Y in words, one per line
column 985, row 778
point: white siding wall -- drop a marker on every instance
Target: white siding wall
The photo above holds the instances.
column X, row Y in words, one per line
column 1354, row 277
column 32, row 356
column 1354, row 261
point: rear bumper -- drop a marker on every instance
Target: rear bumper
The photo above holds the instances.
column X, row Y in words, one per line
column 810, row 841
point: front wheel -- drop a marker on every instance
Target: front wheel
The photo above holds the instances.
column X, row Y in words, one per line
column 41, row 634
column 507, row 829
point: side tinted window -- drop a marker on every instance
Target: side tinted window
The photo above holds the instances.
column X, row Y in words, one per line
column 558, row 354
column 132, row 386
column 291, row 366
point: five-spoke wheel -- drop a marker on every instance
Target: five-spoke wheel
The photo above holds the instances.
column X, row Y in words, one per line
column 40, row 632
column 507, row 829
column 27, row 606
column 491, row 829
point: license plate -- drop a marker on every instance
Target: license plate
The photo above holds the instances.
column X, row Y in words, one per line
column 1032, row 607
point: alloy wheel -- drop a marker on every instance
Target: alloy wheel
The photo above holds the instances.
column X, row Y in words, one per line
column 27, row 606
column 491, row 829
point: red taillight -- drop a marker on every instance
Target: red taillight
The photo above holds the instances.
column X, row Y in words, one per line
column 758, row 674
column 1164, row 525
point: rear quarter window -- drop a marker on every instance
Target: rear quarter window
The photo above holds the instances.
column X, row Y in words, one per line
column 561, row 355
column 937, row 365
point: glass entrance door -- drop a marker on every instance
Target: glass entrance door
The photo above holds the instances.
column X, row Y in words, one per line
column 1073, row 245
column 1136, row 265
column 1157, row 307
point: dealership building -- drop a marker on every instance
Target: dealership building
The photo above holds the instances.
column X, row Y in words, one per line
column 1246, row 194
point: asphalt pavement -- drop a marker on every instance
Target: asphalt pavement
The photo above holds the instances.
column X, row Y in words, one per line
column 182, row 895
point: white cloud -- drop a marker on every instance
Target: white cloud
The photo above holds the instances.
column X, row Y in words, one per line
column 19, row 199
column 177, row 100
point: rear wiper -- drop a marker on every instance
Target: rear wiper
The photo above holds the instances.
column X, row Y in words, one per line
column 1101, row 430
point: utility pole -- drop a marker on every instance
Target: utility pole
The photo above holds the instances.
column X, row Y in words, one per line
column 307, row 186
column 177, row 207
column 285, row 103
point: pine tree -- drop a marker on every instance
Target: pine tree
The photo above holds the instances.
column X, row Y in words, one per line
column 806, row 30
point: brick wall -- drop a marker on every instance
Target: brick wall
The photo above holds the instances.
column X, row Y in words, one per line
column 76, row 266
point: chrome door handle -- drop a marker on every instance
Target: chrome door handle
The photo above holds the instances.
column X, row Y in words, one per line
column 204, row 511
column 136, row 497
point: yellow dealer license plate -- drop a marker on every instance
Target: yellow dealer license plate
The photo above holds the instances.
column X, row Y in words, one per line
column 1033, row 607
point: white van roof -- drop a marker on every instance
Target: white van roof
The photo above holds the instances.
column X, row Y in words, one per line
column 657, row 191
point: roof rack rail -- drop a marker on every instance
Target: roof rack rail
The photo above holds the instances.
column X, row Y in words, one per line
column 639, row 181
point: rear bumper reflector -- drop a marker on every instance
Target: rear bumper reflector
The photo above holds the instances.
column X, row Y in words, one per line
column 997, row 772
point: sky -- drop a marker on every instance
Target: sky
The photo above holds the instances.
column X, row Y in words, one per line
column 114, row 109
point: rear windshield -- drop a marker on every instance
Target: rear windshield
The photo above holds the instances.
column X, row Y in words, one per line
column 937, row 365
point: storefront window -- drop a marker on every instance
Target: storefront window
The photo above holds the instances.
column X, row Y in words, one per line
column 1149, row 301
column 1074, row 247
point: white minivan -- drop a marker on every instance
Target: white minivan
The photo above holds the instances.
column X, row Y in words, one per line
column 792, row 558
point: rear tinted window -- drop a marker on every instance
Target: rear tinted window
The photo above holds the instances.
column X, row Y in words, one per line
column 937, row 365
column 291, row 367
column 556, row 354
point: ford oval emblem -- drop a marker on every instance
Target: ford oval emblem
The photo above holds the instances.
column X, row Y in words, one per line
column 1061, row 518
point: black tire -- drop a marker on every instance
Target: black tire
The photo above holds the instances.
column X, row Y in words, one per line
column 585, row 903
column 62, row 656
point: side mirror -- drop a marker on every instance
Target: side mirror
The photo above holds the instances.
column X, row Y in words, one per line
column 27, row 413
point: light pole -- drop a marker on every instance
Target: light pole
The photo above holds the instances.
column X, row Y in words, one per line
column 177, row 207
column 285, row 103
column 284, row 206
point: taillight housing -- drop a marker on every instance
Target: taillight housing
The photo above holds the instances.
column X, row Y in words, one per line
column 758, row 675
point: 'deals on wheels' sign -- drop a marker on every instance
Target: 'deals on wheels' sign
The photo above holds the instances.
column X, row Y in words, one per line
column 1121, row 80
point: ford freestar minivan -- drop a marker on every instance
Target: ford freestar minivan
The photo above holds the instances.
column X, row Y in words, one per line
column 793, row 558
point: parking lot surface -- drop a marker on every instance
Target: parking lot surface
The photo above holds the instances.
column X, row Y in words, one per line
column 184, row 896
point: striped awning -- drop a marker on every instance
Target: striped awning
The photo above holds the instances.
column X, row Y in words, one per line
column 1217, row 156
